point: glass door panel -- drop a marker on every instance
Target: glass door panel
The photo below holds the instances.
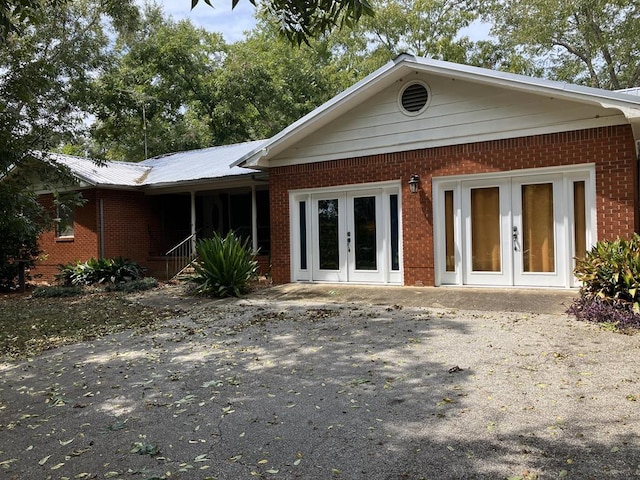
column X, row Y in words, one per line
column 485, row 229
column 365, row 232
column 579, row 219
column 328, row 249
column 538, row 228
column 449, row 227
column 486, row 233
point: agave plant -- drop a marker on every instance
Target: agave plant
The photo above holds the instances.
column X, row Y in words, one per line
column 225, row 266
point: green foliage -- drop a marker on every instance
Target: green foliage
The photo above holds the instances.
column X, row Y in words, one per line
column 427, row 28
column 22, row 219
column 610, row 272
column 96, row 271
column 593, row 42
column 148, row 101
column 56, row 291
column 225, row 267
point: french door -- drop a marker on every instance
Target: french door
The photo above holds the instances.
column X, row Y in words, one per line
column 522, row 230
column 346, row 236
column 513, row 228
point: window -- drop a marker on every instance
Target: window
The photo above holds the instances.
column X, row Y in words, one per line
column 449, row 227
column 579, row 219
column 64, row 221
column 303, row 235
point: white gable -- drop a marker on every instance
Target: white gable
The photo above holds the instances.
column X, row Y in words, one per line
column 468, row 104
column 459, row 112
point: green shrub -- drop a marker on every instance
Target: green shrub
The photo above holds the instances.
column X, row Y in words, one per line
column 101, row 270
column 225, row 267
column 610, row 276
column 134, row 285
column 56, row 291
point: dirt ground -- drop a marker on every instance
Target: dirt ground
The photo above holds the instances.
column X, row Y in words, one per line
column 281, row 387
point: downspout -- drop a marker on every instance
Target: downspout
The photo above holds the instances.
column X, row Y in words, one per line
column 101, row 225
column 254, row 219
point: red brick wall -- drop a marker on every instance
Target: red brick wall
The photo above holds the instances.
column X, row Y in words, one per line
column 126, row 224
column 612, row 149
column 83, row 246
column 126, row 217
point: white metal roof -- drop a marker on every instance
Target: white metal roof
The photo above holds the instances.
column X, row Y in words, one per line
column 109, row 173
column 206, row 163
column 404, row 63
column 630, row 91
column 172, row 169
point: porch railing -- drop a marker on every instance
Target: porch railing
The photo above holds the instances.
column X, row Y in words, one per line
column 181, row 256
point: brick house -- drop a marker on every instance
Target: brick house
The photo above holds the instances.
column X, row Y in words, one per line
column 140, row 211
column 513, row 178
column 423, row 173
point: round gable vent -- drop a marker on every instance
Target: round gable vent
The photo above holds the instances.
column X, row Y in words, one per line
column 414, row 98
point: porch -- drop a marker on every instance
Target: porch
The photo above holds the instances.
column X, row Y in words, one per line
column 180, row 219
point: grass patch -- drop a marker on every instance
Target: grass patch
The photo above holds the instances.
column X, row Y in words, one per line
column 29, row 325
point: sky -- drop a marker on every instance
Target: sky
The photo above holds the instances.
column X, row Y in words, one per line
column 220, row 18
column 233, row 23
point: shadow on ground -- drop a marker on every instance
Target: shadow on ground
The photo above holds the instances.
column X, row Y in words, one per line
column 288, row 390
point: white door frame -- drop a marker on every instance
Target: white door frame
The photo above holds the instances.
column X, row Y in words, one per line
column 564, row 181
column 304, row 230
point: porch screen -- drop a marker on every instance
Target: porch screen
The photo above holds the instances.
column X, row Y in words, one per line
column 538, row 235
column 485, row 229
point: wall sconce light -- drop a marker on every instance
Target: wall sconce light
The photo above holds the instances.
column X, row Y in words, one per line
column 414, row 183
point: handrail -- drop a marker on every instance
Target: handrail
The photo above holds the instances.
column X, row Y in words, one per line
column 179, row 244
column 179, row 257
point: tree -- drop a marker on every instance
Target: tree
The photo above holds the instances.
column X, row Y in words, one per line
column 46, row 70
column 267, row 83
column 149, row 100
column 427, row 28
column 302, row 20
column 594, row 42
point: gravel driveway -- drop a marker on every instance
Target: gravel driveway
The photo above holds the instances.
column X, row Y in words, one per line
column 242, row 389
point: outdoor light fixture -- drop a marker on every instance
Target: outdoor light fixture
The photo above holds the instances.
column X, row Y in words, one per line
column 414, row 183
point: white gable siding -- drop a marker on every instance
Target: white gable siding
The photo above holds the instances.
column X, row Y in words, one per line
column 460, row 112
